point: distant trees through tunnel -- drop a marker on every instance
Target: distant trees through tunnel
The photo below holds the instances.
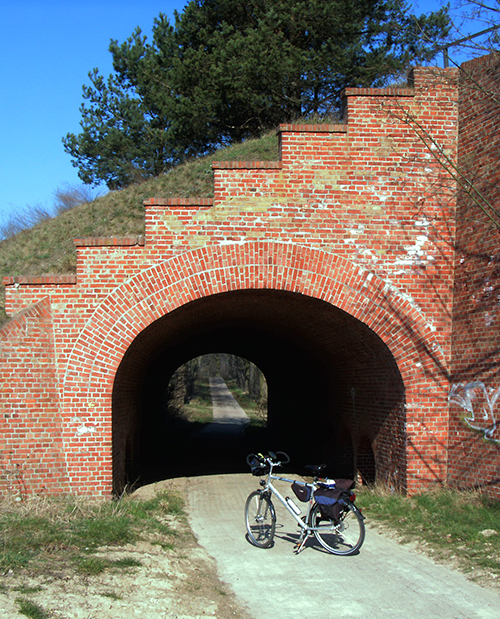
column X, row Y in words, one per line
column 189, row 408
column 327, row 387
column 188, row 386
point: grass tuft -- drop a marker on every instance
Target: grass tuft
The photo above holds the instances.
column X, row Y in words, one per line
column 112, row 595
column 31, row 609
column 92, row 565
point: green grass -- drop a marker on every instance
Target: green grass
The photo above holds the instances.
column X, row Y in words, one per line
column 255, row 410
column 449, row 524
column 199, row 409
column 25, row 589
column 41, row 532
column 31, row 609
column 111, row 595
column 92, row 565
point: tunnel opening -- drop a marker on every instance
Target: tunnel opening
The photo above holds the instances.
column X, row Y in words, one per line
column 188, row 392
column 193, row 428
column 334, row 389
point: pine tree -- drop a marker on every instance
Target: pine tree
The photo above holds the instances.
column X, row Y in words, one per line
column 229, row 70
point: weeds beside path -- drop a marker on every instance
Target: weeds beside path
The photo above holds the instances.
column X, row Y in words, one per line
column 461, row 529
column 72, row 558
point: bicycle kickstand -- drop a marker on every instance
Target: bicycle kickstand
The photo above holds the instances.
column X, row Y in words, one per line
column 299, row 546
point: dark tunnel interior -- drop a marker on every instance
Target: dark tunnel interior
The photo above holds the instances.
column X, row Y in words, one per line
column 333, row 386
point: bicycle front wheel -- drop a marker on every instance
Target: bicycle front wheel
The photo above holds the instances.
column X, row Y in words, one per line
column 260, row 519
column 342, row 537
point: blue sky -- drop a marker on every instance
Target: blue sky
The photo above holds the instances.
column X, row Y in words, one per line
column 47, row 48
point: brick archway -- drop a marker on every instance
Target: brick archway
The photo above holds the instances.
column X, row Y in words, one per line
column 159, row 290
column 358, row 221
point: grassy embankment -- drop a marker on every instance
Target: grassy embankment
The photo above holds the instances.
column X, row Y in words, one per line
column 48, row 249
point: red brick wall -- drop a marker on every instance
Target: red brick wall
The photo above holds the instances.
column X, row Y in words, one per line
column 32, row 455
column 358, row 215
column 474, row 437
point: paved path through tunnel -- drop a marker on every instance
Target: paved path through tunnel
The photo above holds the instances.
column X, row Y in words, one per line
column 229, row 419
column 385, row 580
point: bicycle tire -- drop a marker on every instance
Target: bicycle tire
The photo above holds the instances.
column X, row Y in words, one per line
column 260, row 519
column 344, row 537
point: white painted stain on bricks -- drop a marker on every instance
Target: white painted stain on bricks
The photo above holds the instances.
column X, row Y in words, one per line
column 86, row 429
column 480, row 402
column 423, row 222
column 415, row 254
column 241, row 241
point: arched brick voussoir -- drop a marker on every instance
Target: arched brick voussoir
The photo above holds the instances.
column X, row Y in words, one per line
column 166, row 286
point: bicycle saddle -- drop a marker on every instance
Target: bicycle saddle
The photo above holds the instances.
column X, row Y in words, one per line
column 315, row 469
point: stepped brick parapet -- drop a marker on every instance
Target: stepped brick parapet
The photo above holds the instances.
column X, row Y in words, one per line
column 333, row 269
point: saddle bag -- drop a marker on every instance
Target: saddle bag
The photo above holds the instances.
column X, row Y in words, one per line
column 328, row 497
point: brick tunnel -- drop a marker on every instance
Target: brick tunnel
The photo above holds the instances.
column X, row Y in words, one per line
column 340, row 270
column 334, row 387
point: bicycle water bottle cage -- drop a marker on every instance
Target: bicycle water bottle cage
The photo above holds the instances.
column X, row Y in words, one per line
column 315, row 469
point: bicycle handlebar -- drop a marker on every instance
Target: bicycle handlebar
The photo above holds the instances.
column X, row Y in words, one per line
column 275, row 458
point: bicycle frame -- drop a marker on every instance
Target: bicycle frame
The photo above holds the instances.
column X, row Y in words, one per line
column 304, row 523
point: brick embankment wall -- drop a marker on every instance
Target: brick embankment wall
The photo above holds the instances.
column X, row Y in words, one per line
column 32, row 457
column 474, row 450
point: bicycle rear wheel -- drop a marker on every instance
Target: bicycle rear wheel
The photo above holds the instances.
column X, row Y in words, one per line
column 343, row 537
column 260, row 519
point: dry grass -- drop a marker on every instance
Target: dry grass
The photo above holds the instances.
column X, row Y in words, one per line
column 47, row 248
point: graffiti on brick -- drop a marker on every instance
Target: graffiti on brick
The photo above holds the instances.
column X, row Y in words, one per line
column 479, row 402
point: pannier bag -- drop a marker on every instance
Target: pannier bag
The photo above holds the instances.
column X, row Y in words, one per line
column 328, row 498
column 303, row 493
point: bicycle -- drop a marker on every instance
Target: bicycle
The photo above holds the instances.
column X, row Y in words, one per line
column 332, row 516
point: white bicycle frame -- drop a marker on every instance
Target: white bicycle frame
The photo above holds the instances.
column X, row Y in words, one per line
column 323, row 525
column 302, row 522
